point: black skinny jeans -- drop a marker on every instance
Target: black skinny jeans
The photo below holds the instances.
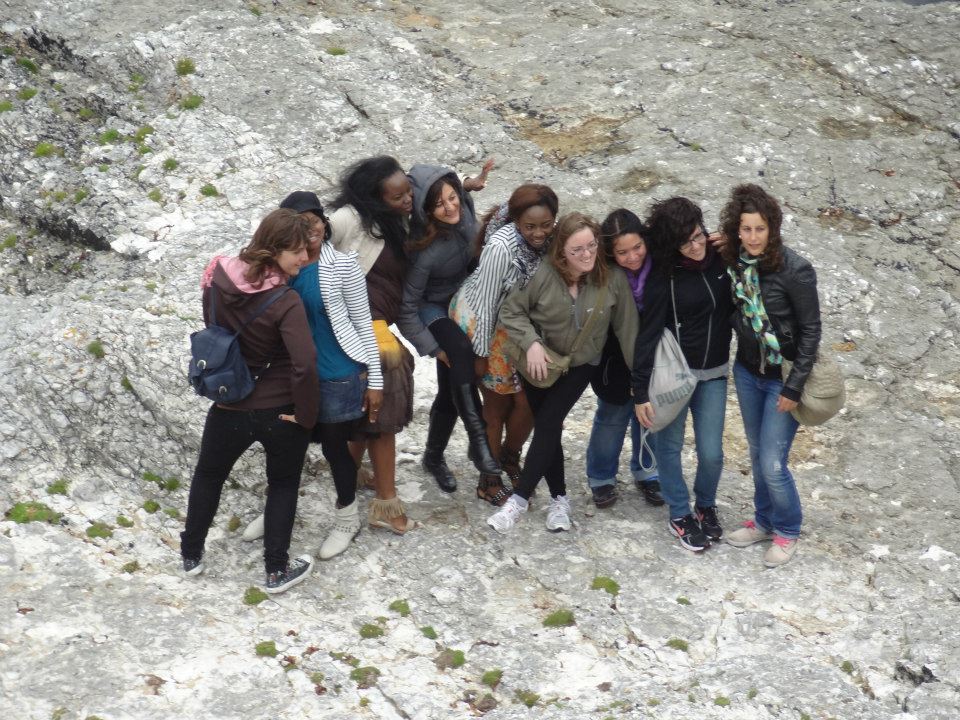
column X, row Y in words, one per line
column 226, row 436
column 454, row 342
column 550, row 408
column 333, row 439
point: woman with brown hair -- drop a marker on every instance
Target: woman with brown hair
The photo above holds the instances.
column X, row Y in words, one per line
column 565, row 310
column 777, row 319
column 443, row 228
column 283, row 406
column 514, row 238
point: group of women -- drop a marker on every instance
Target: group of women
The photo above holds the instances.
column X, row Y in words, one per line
column 521, row 309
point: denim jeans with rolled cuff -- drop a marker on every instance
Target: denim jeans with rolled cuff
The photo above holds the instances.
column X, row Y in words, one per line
column 707, row 405
column 606, row 443
column 770, row 435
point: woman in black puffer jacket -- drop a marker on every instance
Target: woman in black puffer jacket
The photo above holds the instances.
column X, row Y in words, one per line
column 778, row 318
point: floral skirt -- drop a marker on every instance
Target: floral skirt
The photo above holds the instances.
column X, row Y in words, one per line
column 501, row 376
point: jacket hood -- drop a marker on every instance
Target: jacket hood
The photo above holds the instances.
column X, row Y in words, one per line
column 422, row 177
column 227, row 274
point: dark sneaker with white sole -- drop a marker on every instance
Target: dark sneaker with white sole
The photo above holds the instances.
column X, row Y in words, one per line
column 604, row 496
column 687, row 530
column 650, row 489
column 709, row 522
column 297, row 571
column 192, row 566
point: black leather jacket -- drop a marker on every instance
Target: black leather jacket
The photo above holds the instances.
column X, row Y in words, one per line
column 790, row 299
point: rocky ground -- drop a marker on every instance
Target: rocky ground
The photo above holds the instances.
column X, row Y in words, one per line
column 137, row 139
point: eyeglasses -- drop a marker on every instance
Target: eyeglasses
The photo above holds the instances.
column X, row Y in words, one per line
column 700, row 237
column 587, row 249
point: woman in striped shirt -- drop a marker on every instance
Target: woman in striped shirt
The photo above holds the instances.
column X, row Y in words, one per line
column 515, row 237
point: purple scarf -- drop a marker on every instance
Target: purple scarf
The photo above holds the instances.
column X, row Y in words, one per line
column 637, row 281
column 697, row 265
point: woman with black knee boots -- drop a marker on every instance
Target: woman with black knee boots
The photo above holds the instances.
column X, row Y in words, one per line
column 443, row 228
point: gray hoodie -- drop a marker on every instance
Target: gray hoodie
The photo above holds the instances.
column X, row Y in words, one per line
column 436, row 272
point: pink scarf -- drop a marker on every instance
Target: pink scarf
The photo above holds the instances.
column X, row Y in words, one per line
column 236, row 269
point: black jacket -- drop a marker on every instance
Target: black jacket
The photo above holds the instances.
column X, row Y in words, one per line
column 704, row 303
column 611, row 378
column 791, row 302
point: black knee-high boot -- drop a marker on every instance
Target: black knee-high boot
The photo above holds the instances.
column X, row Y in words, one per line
column 468, row 407
column 438, row 435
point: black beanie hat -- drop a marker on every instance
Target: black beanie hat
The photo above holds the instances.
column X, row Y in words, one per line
column 303, row 201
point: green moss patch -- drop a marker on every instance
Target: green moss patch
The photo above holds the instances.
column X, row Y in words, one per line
column 365, row 677
column 429, row 632
column 608, row 585
column 57, row 487
column 267, row 648
column 185, row 66
column 401, row 607
column 450, row 658
column 678, row 644
column 25, row 512
column 99, row 530
column 560, row 618
column 254, row 596
column 191, row 102
column 491, row 678
column 369, row 631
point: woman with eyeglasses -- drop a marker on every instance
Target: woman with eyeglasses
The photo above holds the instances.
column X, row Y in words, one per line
column 566, row 309
column 688, row 292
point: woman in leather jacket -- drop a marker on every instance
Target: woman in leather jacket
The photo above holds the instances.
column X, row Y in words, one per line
column 777, row 318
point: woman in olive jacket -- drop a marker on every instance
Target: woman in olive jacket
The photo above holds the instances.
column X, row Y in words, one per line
column 778, row 317
column 571, row 292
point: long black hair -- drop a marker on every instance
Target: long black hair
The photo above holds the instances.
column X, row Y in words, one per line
column 619, row 222
column 361, row 185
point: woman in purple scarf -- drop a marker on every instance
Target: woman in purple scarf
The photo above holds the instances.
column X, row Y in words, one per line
column 622, row 234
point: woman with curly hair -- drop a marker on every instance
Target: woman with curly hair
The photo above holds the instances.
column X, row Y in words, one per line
column 513, row 240
column 688, row 293
column 566, row 310
column 777, row 319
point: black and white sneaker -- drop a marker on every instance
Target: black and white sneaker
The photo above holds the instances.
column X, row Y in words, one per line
column 709, row 522
column 687, row 530
column 297, row 571
column 192, row 566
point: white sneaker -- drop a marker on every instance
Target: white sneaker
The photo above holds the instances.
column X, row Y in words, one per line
column 508, row 515
column 558, row 514
column 780, row 553
column 254, row 531
column 346, row 525
column 748, row 535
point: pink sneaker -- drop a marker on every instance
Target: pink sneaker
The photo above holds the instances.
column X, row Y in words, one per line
column 748, row 535
column 780, row 553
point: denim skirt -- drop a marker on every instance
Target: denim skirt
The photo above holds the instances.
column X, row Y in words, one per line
column 342, row 400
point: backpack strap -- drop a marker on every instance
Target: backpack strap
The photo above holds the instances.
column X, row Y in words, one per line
column 260, row 310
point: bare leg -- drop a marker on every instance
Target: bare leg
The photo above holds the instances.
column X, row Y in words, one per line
column 496, row 410
column 519, row 423
column 383, row 455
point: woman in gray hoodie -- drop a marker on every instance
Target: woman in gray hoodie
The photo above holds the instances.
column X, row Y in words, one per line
column 442, row 233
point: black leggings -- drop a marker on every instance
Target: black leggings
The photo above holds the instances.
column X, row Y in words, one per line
column 454, row 342
column 333, row 439
column 226, row 436
column 550, row 408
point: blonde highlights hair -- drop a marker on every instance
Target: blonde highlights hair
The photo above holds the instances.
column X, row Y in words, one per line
column 568, row 225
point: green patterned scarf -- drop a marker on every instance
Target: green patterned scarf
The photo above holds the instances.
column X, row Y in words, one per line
column 746, row 287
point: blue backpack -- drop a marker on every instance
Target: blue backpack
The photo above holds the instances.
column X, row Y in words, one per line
column 218, row 370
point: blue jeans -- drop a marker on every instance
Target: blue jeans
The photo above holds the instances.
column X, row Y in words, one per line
column 342, row 399
column 707, row 404
column 770, row 435
column 606, row 442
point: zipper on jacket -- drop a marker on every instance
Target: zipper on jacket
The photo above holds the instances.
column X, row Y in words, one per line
column 713, row 299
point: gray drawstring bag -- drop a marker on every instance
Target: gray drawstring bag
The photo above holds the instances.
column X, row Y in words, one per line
column 671, row 383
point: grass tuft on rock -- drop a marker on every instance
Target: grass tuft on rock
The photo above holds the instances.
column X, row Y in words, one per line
column 151, row 506
column 721, row 701
column 209, row 190
column 95, row 348
column 26, row 93
column 752, row 693
column 606, row 584
column 559, row 618
column 170, row 164
column 5, row 106
column 233, row 524
column 124, row 521
column 491, row 678
column 336, row 50
column 847, row 667
column 79, row 196
column 131, row 567
column 400, row 607
column 30, row 511
column 185, row 66
column 191, row 102
column 108, row 137
column 368, row 631
column 527, row 697
column 46, row 149
column 254, row 596
column 9, row 241
column 267, row 648
column 450, row 658
column 683, row 601
column 99, row 530
column 678, row 644
column 28, row 65
column 429, row 632
column 57, row 487
column 365, row 677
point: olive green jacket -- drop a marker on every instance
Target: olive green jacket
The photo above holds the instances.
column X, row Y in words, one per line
column 543, row 311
